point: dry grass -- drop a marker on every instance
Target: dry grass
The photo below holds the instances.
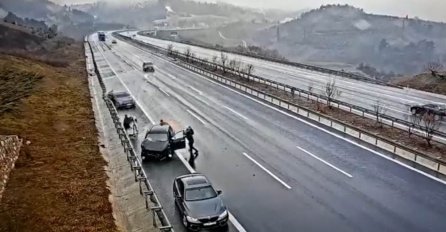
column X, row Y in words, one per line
column 61, row 184
column 425, row 82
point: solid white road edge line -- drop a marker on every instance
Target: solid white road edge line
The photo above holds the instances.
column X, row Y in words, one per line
column 164, row 92
column 313, row 125
column 237, row 113
column 194, row 89
column 128, row 90
column 232, row 219
column 267, row 171
column 196, row 116
column 325, row 162
column 326, row 131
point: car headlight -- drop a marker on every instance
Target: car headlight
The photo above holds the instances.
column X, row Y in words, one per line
column 223, row 215
column 191, row 219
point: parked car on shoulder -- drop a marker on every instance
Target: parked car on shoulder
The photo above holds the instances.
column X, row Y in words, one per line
column 148, row 67
column 433, row 109
column 122, row 100
column 199, row 204
column 160, row 143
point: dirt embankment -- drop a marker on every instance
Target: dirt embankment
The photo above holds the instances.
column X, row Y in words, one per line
column 59, row 183
column 425, row 82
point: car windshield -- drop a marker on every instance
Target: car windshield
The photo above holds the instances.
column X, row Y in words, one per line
column 196, row 194
column 122, row 95
column 157, row 137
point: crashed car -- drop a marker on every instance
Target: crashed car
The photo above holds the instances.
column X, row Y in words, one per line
column 160, row 142
column 122, row 100
column 148, row 67
column 199, row 204
column 432, row 109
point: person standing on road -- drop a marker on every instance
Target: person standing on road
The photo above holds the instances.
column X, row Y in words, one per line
column 127, row 121
column 189, row 133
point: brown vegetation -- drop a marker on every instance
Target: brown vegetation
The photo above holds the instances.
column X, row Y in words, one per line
column 60, row 184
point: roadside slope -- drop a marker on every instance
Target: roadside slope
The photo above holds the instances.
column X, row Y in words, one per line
column 59, row 183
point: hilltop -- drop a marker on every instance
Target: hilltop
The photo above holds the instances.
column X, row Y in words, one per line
column 345, row 34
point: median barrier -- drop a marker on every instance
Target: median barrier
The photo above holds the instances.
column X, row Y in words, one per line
column 400, row 152
column 145, row 187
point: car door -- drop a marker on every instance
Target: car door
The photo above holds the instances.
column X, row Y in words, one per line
column 179, row 194
column 178, row 141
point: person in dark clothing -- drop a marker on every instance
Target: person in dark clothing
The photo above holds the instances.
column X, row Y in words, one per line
column 189, row 133
column 127, row 121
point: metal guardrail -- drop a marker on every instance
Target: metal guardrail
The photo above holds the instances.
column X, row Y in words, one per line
column 290, row 63
column 358, row 110
column 145, row 188
column 399, row 152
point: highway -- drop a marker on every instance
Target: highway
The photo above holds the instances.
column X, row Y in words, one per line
column 278, row 172
column 396, row 101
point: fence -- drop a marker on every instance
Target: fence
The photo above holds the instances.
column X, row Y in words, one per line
column 294, row 64
column 145, row 187
column 397, row 123
column 399, row 152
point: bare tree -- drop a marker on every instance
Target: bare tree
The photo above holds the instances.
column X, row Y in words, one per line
column 434, row 68
column 169, row 49
column 187, row 54
column 249, row 69
column 379, row 109
column 331, row 91
column 415, row 121
column 310, row 89
column 430, row 124
column 231, row 64
column 214, row 61
column 223, row 60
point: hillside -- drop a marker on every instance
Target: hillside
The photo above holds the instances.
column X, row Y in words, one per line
column 59, row 182
column 70, row 22
column 344, row 34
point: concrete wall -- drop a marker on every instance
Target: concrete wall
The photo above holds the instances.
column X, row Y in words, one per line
column 9, row 152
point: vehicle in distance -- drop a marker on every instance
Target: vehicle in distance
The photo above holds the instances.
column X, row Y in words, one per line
column 101, row 36
column 148, row 67
column 160, row 142
column 432, row 109
column 114, row 41
column 121, row 100
column 200, row 206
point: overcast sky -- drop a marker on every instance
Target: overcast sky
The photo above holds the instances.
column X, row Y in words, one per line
column 426, row 9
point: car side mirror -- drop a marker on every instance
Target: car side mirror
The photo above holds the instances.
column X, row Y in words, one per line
column 219, row 192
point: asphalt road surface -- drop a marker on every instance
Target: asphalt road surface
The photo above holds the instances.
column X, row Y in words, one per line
column 278, row 172
column 396, row 101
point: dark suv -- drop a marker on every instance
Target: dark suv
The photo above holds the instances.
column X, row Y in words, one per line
column 199, row 204
column 160, row 142
column 434, row 109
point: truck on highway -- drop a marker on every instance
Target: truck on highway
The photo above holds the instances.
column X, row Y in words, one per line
column 101, row 36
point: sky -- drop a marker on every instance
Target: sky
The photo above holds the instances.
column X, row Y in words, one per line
column 425, row 9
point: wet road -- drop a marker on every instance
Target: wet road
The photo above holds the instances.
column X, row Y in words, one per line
column 395, row 101
column 277, row 171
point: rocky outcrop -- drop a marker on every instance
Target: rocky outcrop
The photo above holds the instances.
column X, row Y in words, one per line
column 9, row 152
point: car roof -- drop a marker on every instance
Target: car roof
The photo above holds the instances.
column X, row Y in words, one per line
column 159, row 129
column 194, row 181
column 119, row 92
